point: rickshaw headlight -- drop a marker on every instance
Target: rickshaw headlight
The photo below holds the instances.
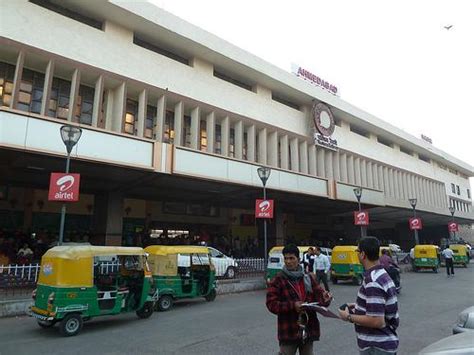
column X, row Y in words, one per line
column 51, row 298
column 33, row 295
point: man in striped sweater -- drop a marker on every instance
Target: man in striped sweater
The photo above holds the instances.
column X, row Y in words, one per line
column 375, row 313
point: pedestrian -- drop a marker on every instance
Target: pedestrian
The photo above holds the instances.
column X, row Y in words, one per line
column 297, row 328
column 375, row 313
column 321, row 267
column 308, row 260
column 448, row 260
column 412, row 258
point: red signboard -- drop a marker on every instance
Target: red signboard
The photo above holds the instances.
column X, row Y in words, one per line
column 64, row 187
column 264, row 209
column 361, row 218
column 415, row 223
column 453, row 227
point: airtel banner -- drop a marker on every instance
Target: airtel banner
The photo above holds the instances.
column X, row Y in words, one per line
column 264, row 209
column 64, row 187
column 361, row 218
column 415, row 223
column 453, row 227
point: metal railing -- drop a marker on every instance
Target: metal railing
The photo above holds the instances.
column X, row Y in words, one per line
column 18, row 280
column 242, row 268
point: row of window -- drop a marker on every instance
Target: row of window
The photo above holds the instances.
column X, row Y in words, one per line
column 456, row 190
column 460, row 205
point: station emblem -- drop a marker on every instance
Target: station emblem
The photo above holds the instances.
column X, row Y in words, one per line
column 324, row 126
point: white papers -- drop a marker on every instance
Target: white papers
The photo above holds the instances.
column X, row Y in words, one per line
column 314, row 306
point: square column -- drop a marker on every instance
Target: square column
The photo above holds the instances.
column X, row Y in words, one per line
column 74, row 94
column 48, row 82
column 272, row 149
column 238, row 139
column 304, row 157
column 295, row 157
column 210, row 131
column 160, row 118
column 284, row 152
column 225, row 133
column 251, row 143
column 142, row 107
column 195, row 123
column 312, row 160
column 178, row 123
column 98, row 99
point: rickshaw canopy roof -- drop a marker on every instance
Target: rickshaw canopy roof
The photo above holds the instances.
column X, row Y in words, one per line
column 279, row 249
column 176, row 249
column 458, row 246
column 75, row 252
column 342, row 248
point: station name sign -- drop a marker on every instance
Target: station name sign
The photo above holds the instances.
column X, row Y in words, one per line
column 314, row 79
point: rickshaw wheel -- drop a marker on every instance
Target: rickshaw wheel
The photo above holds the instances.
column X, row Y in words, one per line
column 70, row 325
column 211, row 296
column 165, row 303
column 46, row 323
column 146, row 311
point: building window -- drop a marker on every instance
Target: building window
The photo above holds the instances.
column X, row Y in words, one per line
column 405, row 150
column 85, row 105
column 232, row 79
column 232, row 143
column 289, row 158
column 218, row 141
column 31, row 91
column 468, row 193
column 187, row 131
column 360, row 131
column 157, row 49
column 425, row 159
column 7, row 73
column 453, row 188
column 458, row 190
column 130, row 116
column 257, row 149
column 150, row 121
column 203, row 136
column 169, row 128
column 245, row 147
column 59, row 100
column 286, row 102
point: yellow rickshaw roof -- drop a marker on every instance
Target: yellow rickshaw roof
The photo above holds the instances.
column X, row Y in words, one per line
column 176, row 249
column 344, row 248
column 302, row 249
column 456, row 246
column 426, row 246
column 89, row 251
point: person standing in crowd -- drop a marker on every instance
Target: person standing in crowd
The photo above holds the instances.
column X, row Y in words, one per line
column 290, row 288
column 448, row 259
column 308, row 260
column 321, row 267
column 375, row 313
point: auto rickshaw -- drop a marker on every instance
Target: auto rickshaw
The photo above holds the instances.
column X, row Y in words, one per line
column 426, row 257
column 276, row 261
column 77, row 283
column 345, row 265
column 181, row 271
column 460, row 254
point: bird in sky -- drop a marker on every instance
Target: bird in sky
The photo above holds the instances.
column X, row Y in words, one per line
column 448, row 27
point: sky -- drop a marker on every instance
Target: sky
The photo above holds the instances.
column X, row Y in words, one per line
column 393, row 59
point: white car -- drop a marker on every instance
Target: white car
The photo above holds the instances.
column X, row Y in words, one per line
column 225, row 265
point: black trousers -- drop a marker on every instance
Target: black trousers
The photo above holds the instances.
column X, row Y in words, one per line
column 449, row 265
column 322, row 277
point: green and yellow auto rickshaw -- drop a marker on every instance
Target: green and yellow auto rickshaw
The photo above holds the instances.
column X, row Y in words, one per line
column 181, row 271
column 345, row 265
column 77, row 283
column 426, row 257
column 460, row 254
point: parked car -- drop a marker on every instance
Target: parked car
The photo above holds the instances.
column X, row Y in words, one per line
column 225, row 265
column 465, row 322
column 459, row 344
column 395, row 248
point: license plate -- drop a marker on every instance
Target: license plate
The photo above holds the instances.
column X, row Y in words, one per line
column 424, row 259
column 38, row 316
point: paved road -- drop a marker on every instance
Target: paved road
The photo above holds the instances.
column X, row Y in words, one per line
column 240, row 324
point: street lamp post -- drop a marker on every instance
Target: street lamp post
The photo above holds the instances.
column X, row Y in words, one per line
column 452, row 210
column 70, row 136
column 358, row 195
column 413, row 202
column 264, row 174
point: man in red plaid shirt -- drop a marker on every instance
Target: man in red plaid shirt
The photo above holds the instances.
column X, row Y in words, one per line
column 297, row 328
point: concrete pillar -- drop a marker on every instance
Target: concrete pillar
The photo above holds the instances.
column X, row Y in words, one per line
column 211, row 131
column 343, row 167
column 295, row 164
column 238, row 139
column 262, row 146
column 284, row 151
column 142, row 107
column 304, row 157
column 107, row 219
column 20, row 61
column 225, row 134
column 335, row 166
column 312, row 160
column 357, row 170
column 272, row 149
column 329, row 172
column 48, row 82
column 98, row 100
column 350, row 170
column 251, row 143
column 195, row 123
column 391, row 180
column 370, row 175
column 160, row 118
column 109, row 108
column 320, row 166
column 363, row 172
column 178, row 124
column 73, row 95
column 118, row 108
